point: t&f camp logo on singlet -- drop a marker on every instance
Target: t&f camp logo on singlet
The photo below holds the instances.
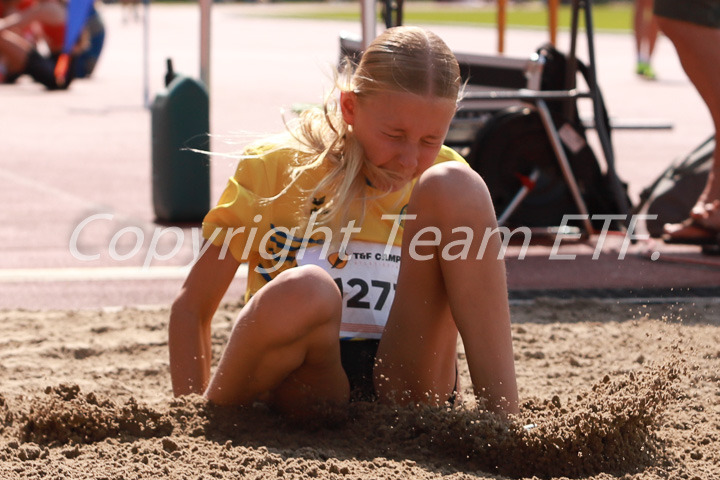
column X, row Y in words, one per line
column 337, row 260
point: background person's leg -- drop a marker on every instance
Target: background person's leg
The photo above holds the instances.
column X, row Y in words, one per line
column 698, row 48
column 646, row 32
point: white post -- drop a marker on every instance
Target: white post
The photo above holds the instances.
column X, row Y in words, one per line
column 146, row 53
column 369, row 21
column 205, row 6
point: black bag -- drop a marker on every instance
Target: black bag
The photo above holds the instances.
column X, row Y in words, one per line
column 513, row 145
column 674, row 193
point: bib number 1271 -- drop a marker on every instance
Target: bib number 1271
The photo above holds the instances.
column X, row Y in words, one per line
column 360, row 297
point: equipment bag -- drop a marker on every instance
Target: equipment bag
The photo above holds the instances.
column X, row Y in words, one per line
column 513, row 145
column 674, row 193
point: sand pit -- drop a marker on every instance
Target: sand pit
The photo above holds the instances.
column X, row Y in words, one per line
column 616, row 391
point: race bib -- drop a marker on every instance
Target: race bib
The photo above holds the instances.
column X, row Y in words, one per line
column 367, row 278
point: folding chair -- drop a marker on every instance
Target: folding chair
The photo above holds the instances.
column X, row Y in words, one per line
column 533, row 97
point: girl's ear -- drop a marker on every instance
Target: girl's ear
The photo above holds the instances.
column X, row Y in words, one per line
column 348, row 103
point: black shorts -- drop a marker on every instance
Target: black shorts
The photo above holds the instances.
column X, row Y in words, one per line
column 700, row 12
column 358, row 361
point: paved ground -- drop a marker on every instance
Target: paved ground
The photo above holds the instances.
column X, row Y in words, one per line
column 78, row 162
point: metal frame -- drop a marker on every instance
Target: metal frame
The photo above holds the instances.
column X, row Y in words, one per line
column 536, row 99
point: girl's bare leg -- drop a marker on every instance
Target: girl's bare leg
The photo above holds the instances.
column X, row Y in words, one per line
column 285, row 346
column 441, row 295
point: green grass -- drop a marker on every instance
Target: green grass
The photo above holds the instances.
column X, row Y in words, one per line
column 610, row 16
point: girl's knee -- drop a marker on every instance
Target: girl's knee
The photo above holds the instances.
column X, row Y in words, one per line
column 308, row 289
column 295, row 304
column 451, row 185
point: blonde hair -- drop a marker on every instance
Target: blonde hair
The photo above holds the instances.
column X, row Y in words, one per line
column 402, row 59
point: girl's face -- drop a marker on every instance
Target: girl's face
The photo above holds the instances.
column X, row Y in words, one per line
column 401, row 132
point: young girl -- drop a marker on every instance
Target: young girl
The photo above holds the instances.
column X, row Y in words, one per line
column 323, row 217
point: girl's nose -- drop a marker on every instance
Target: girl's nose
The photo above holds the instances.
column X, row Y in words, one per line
column 408, row 157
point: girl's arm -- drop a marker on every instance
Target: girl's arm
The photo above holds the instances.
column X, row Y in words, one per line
column 190, row 318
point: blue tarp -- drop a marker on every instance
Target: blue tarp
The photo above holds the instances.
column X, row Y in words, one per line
column 78, row 12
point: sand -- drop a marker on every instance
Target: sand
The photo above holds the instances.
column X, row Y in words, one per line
column 615, row 390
